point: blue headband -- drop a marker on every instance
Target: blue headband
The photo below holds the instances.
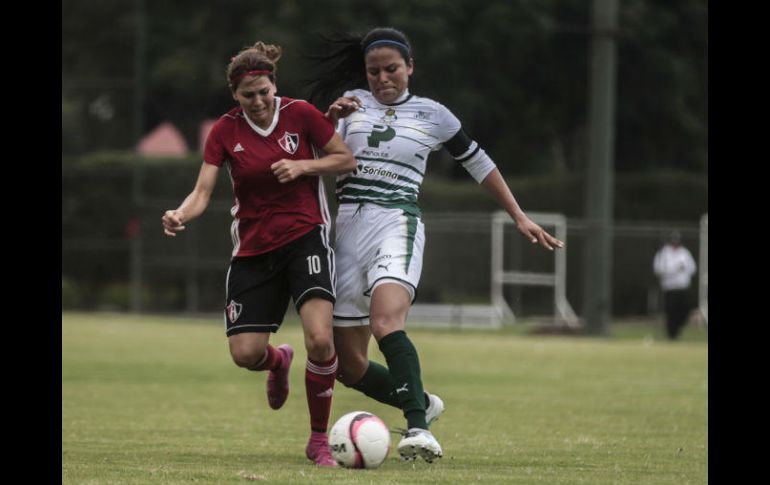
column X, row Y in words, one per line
column 388, row 41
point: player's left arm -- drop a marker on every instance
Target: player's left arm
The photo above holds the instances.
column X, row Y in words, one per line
column 337, row 159
column 474, row 159
column 494, row 183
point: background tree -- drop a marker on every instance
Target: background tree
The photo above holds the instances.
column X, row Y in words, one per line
column 514, row 72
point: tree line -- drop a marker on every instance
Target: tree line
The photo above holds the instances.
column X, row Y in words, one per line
column 514, row 72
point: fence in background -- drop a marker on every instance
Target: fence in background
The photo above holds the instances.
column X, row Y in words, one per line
column 187, row 273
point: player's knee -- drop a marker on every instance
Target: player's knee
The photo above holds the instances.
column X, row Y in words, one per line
column 247, row 357
column 385, row 324
column 320, row 346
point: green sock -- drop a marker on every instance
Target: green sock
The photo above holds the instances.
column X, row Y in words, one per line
column 377, row 384
column 404, row 367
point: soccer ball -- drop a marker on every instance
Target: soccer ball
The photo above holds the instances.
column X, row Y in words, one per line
column 359, row 440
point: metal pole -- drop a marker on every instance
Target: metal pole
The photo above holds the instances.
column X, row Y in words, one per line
column 597, row 271
column 703, row 269
column 136, row 176
column 496, row 268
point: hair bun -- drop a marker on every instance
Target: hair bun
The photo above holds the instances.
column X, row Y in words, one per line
column 272, row 52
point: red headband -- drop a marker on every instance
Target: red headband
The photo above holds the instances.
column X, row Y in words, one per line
column 237, row 79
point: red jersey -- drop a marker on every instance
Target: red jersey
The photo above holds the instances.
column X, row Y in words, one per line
column 269, row 214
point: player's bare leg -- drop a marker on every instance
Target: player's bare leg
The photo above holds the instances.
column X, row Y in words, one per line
column 252, row 351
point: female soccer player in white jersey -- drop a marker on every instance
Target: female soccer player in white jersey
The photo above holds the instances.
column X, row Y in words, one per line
column 280, row 232
column 380, row 236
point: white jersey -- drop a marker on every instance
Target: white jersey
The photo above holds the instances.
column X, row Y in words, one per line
column 674, row 266
column 391, row 144
column 382, row 239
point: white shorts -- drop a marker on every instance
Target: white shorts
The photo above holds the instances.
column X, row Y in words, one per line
column 374, row 245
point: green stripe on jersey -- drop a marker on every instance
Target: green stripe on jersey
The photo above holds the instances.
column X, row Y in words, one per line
column 375, row 183
column 416, row 141
column 406, row 207
column 373, row 194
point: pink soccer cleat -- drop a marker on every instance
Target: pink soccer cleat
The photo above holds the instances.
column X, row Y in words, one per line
column 278, row 380
column 317, row 450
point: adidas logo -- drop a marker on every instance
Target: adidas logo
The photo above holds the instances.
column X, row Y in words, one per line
column 326, row 393
column 238, row 148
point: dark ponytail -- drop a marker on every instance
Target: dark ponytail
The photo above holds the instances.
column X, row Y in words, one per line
column 337, row 67
column 339, row 64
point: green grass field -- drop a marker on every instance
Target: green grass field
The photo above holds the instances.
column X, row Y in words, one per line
column 158, row 400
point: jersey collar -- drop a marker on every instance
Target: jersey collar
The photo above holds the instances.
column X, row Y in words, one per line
column 405, row 96
column 272, row 125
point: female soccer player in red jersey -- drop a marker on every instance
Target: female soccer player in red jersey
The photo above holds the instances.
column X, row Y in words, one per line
column 280, row 230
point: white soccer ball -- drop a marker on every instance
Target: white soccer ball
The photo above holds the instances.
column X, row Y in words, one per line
column 359, row 440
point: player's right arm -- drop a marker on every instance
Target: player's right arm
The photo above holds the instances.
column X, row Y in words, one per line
column 194, row 204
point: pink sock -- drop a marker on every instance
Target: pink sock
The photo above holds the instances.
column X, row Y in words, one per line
column 273, row 359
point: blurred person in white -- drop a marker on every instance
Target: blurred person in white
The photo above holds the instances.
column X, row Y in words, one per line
column 674, row 267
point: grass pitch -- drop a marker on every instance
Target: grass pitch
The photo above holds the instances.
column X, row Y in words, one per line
column 158, row 400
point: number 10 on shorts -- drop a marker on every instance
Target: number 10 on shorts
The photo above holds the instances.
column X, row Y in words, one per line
column 313, row 264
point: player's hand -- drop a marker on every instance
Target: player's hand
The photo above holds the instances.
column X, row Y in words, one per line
column 173, row 222
column 537, row 234
column 343, row 107
column 288, row 170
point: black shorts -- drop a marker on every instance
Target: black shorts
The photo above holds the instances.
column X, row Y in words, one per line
column 259, row 287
